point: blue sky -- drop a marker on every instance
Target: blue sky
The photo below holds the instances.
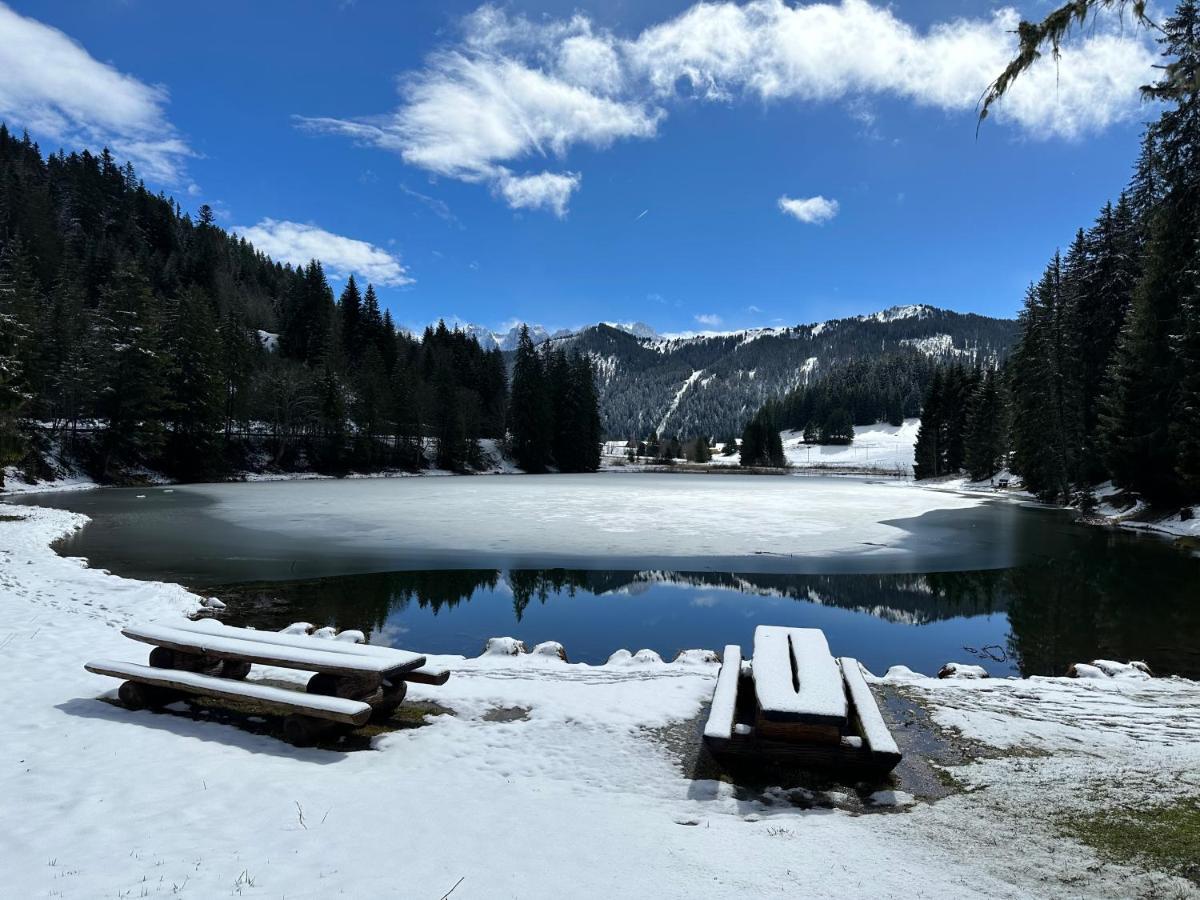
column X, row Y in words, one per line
column 562, row 163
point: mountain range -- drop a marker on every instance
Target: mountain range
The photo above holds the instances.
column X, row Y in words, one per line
column 711, row 383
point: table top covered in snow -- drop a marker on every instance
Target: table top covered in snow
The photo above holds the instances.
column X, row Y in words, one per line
column 300, row 652
column 796, row 678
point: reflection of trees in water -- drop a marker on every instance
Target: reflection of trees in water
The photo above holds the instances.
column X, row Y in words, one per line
column 1105, row 596
column 354, row 601
column 1115, row 599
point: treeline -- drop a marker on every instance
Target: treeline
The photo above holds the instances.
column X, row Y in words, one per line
column 885, row 388
column 963, row 425
column 556, row 413
column 1104, row 382
column 133, row 337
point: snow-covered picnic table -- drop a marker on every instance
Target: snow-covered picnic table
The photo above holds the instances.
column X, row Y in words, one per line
column 795, row 703
column 352, row 682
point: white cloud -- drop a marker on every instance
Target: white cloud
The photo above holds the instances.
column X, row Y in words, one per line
column 548, row 190
column 811, row 210
column 52, row 86
column 297, row 243
column 511, row 89
column 712, row 320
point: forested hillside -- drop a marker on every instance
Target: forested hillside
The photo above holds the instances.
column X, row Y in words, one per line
column 712, row 385
column 133, row 338
column 1104, row 382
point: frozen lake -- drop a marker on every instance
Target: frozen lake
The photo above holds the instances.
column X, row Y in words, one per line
column 893, row 573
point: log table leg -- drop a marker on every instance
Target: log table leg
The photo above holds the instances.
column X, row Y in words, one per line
column 134, row 695
column 383, row 697
column 166, row 658
column 393, row 696
column 302, row 731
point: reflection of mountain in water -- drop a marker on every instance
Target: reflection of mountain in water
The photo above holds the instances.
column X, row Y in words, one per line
column 905, row 599
column 1106, row 597
column 349, row 600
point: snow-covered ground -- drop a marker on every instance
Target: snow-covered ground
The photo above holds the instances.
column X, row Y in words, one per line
column 576, row 797
column 882, row 447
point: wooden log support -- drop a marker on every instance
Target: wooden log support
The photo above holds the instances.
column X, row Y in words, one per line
column 134, row 695
column 165, row 658
column 393, row 696
column 334, row 709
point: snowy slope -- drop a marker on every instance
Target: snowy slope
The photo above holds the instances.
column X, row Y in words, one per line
column 884, row 447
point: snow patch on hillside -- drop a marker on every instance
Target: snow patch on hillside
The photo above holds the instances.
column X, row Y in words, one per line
column 933, row 345
column 691, row 379
column 896, row 313
column 882, row 447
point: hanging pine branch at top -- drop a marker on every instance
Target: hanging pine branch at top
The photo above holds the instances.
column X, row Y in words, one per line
column 1033, row 39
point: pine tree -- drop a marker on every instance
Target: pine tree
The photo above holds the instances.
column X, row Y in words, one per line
column 838, row 428
column 761, row 443
column 985, row 442
column 928, row 452
column 194, row 401
column 1148, row 388
column 133, row 365
column 530, row 422
column 352, row 321
column 1106, row 274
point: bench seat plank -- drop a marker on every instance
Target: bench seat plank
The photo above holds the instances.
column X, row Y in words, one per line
column 269, row 653
column 220, row 629
column 336, row 709
column 870, row 721
column 724, row 701
column 796, row 679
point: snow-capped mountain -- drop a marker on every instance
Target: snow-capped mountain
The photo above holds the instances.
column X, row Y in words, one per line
column 713, row 382
column 507, row 340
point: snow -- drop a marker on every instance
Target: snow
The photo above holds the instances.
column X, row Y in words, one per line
column 962, row 670
column 503, row 646
column 874, row 729
column 573, row 518
column 248, row 690
column 724, row 701
column 674, row 404
column 932, row 345
column 116, row 803
column 269, row 340
column 281, row 649
column 895, row 313
column 800, row 655
column 880, row 447
column 14, row 483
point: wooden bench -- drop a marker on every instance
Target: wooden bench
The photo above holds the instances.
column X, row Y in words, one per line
column 793, row 703
column 351, row 683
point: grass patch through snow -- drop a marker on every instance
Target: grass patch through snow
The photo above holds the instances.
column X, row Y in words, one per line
column 1165, row 838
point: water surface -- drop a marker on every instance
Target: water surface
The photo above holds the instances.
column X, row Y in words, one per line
column 1018, row 590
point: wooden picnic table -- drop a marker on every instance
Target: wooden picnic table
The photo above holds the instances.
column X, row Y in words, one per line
column 351, row 682
column 795, row 703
